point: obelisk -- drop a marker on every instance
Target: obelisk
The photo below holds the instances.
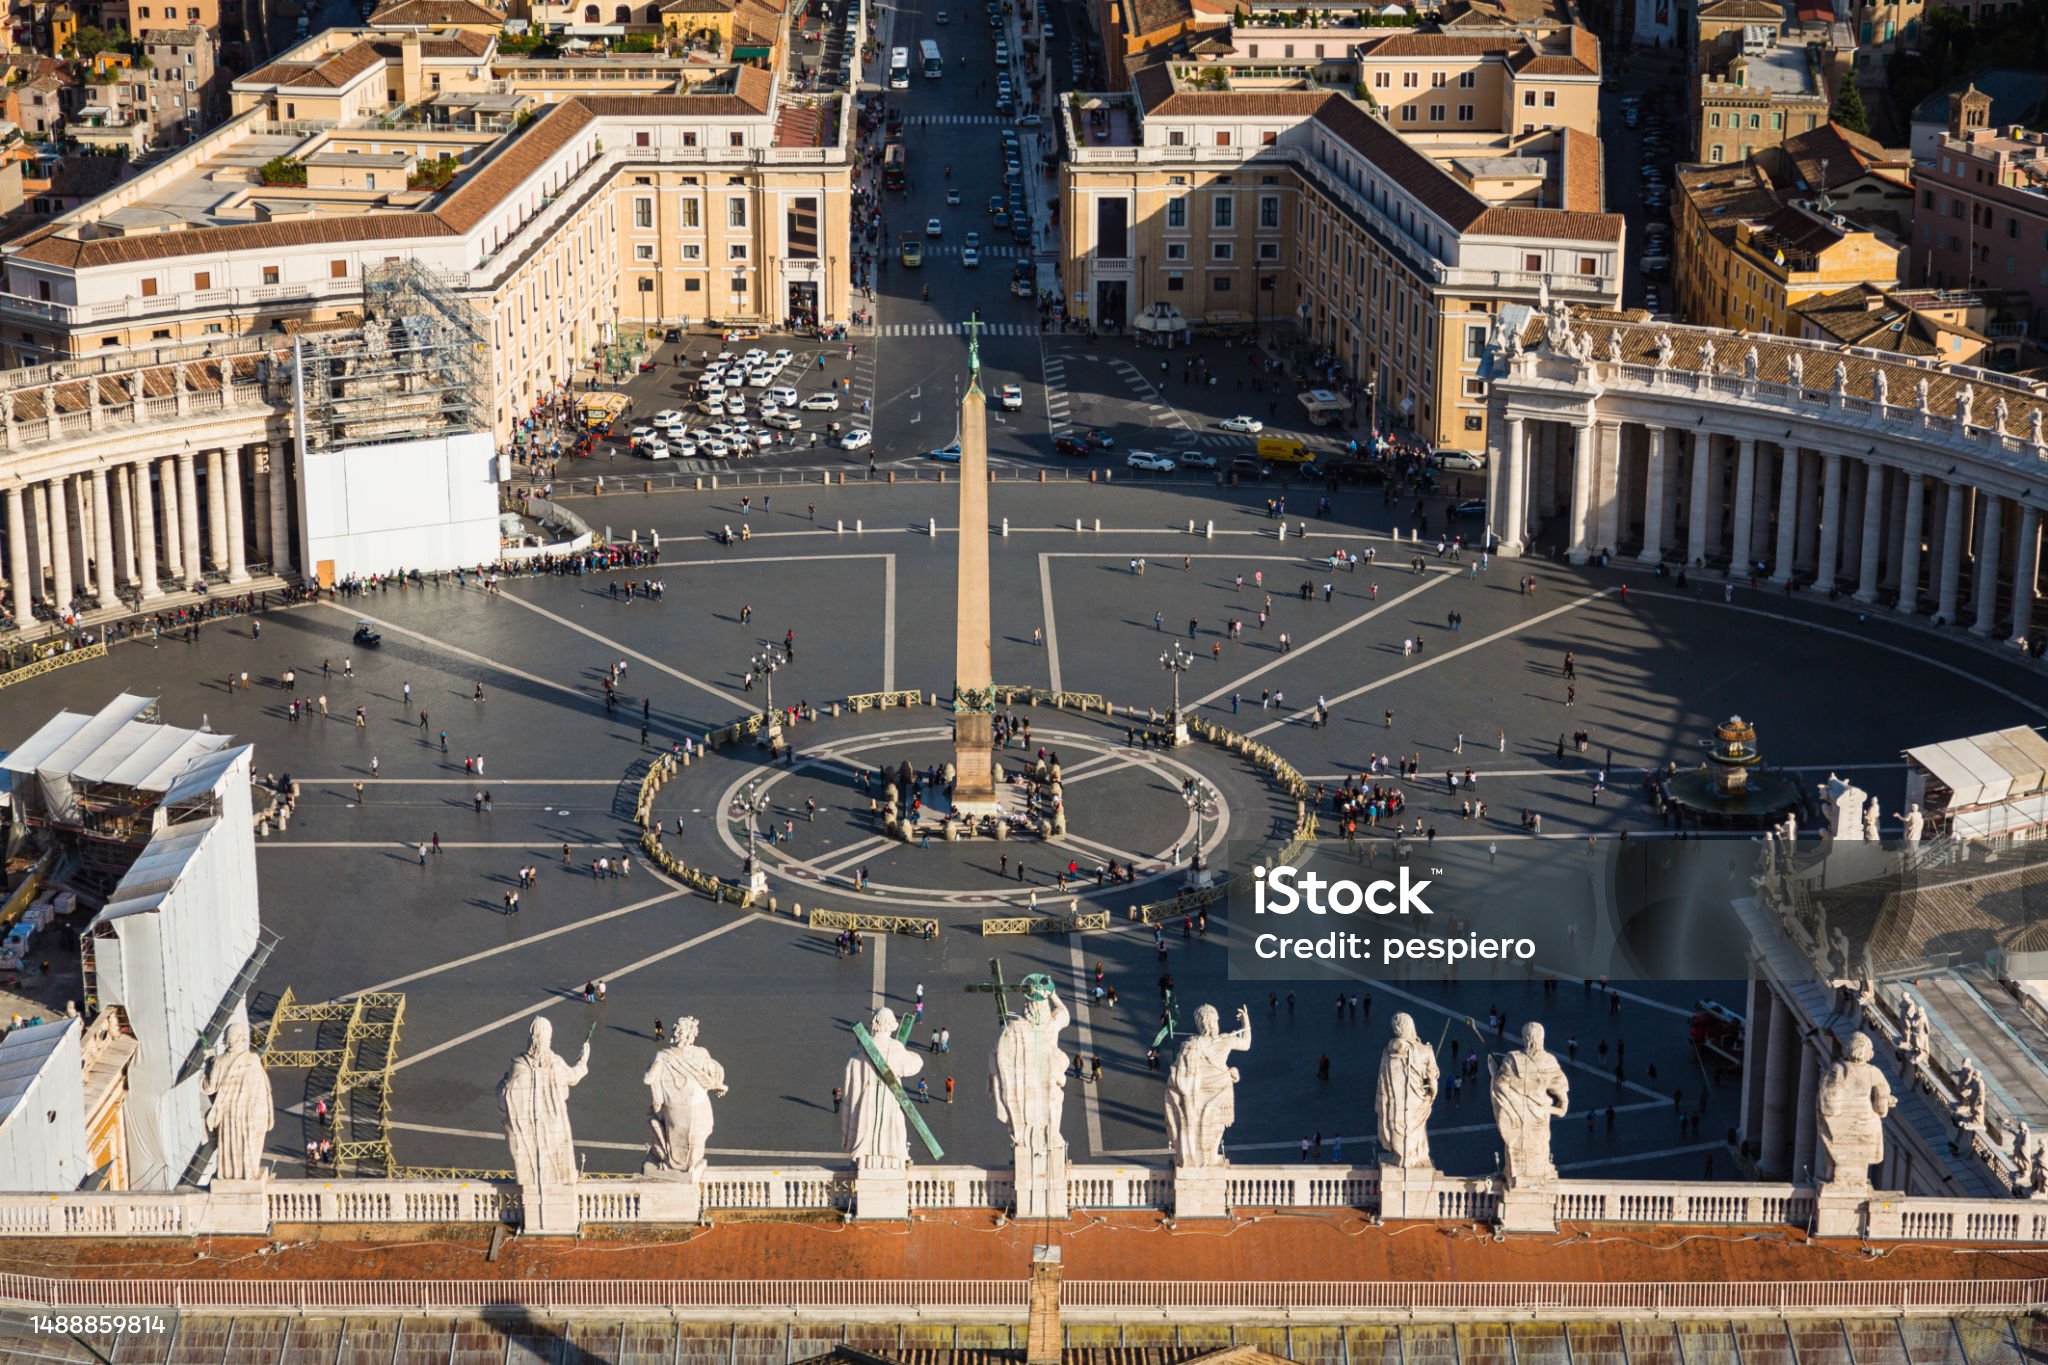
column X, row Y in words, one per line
column 974, row 787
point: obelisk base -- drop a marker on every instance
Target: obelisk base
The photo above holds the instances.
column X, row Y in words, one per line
column 974, row 765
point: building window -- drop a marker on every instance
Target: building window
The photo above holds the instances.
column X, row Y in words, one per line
column 693, row 286
column 643, row 212
column 693, row 251
column 1408, row 113
column 337, row 270
column 1550, row 99
column 736, row 211
column 202, row 280
column 270, row 275
column 1475, row 388
column 1714, row 152
column 1222, row 212
column 1177, row 212
column 644, row 285
column 1176, row 251
column 1220, row 283
column 1382, row 80
column 1436, row 113
column 689, row 213
column 736, row 139
column 1269, row 251
column 1267, row 139
column 1529, row 98
column 1475, row 340
column 1175, row 283
column 644, row 251
column 1176, row 137
column 1532, row 261
column 1589, row 265
column 1221, row 251
column 1436, row 80
column 149, row 289
column 1713, row 120
column 736, row 251
column 690, row 138
column 1756, row 120
column 643, row 138
column 1467, row 80
column 1269, row 210
column 739, row 284
column 1410, row 80
column 1464, row 113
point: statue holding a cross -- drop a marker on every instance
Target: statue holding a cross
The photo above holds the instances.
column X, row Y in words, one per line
column 1028, row 1078
column 874, row 1123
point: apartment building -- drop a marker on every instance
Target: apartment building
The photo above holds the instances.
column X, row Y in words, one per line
column 1450, row 83
column 560, row 217
column 1980, row 327
column 1304, row 205
column 1981, row 221
column 1772, row 92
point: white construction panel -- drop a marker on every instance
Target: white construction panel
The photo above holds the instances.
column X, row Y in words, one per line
column 42, row 1108
column 409, row 505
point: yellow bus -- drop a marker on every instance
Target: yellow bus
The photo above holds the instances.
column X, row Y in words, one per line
column 601, row 410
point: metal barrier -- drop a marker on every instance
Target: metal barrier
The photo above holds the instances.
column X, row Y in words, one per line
column 880, row 701
column 1046, row 924
column 50, row 663
column 912, row 925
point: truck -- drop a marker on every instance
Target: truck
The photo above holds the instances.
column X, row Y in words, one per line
column 1284, row 450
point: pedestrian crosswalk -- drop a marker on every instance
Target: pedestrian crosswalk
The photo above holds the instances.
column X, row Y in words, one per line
column 994, row 251
column 953, row 329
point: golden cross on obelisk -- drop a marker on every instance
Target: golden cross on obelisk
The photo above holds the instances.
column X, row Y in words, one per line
column 974, row 792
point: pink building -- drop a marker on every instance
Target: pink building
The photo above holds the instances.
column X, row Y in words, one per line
column 1981, row 219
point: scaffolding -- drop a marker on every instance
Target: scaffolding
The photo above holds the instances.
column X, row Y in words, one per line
column 355, row 1044
column 419, row 366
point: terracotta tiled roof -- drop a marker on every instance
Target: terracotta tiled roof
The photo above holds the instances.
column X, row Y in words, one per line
column 1550, row 224
column 1743, row 9
column 332, row 72
column 1340, row 1246
column 1584, row 191
column 457, row 43
column 516, row 160
column 1849, row 156
column 1582, row 60
column 1157, row 93
column 696, row 6
column 434, row 13
column 1155, row 16
column 1443, row 45
column 1416, row 172
column 1154, row 85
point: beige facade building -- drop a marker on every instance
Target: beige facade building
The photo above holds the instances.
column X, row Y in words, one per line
column 562, row 217
column 1303, row 205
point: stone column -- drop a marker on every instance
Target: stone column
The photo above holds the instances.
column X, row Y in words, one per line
column 1717, row 498
column 1809, row 516
column 167, row 483
column 1915, row 493
column 216, row 514
column 1780, row 1080
column 1830, row 524
column 17, row 561
column 1951, row 554
column 1696, row 533
column 145, row 528
column 1788, row 515
column 1514, row 522
column 1986, row 595
column 188, row 519
column 1750, row 1116
column 124, row 533
column 2026, row 571
column 1806, row 1116
column 1873, row 533
column 102, row 540
column 81, row 532
column 60, row 540
column 1653, row 498
column 1745, row 505
column 229, row 499
column 1894, row 525
column 1608, row 461
column 259, row 500
column 282, row 559
column 1582, row 492
column 39, row 526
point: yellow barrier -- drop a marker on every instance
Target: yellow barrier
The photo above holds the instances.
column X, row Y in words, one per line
column 52, row 662
column 1046, row 924
column 882, row 701
column 874, row 924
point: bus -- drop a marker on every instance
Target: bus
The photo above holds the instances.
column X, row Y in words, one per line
column 894, row 163
column 929, row 50
column 899, row 68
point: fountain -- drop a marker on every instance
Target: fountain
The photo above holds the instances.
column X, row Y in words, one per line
column 1729, row 790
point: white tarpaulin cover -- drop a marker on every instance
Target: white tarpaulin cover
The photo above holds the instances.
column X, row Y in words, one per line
column 1986, row 769
column 42, row 1108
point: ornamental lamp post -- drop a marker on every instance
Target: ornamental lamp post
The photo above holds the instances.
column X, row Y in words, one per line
column 1204, row 804
column 1177, row 661
column 765, row 663
column 751, row 803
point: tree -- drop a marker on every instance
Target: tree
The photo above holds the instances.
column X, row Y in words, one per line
column 283, row 170
column 1847, row 111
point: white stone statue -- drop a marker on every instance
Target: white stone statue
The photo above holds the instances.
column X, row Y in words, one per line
column 1795, row 371
column 1579, row 345
column 1915, row 823
column 1844, row 802
column 1969, row 1097
column 1751, row 363
column 1201, row 1090
column 1841, row 378
column 871, row 1123
column 1707, row 356
column 1870, row 820
column 1407, row 1092
column 1966, row 402
column 1881, row 388
column 1913, row 1031
column 681, row 1082
column 239, row 1112
column 1028, row 1072
column 1614, row 346
column 1920, row 394
column 2034, row 420
column 1789, row 832
column 533, row 1104
column 2022, row 1139
column 1842, row 957
column 2000, row 411
column 2037, row 1172
column 1529, row 1090
column 1854, row 1099
column 1666, row 348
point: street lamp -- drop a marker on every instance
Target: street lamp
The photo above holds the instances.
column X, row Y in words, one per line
column 1177, row 661
column 752, row 803
column 1203, row 804
column 1372, row 388
column 765, row 663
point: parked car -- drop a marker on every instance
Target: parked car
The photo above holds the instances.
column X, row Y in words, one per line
column 821, row 402
column 1461, row 460
column 780, row 420
column 1150, row 460
column 784, row 397
column 655, row 450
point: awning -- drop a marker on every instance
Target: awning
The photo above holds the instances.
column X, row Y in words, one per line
column 1986, row 769
column 741, row 54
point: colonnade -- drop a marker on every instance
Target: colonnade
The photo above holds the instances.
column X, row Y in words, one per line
column 1686, row 494
column 129, row 530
